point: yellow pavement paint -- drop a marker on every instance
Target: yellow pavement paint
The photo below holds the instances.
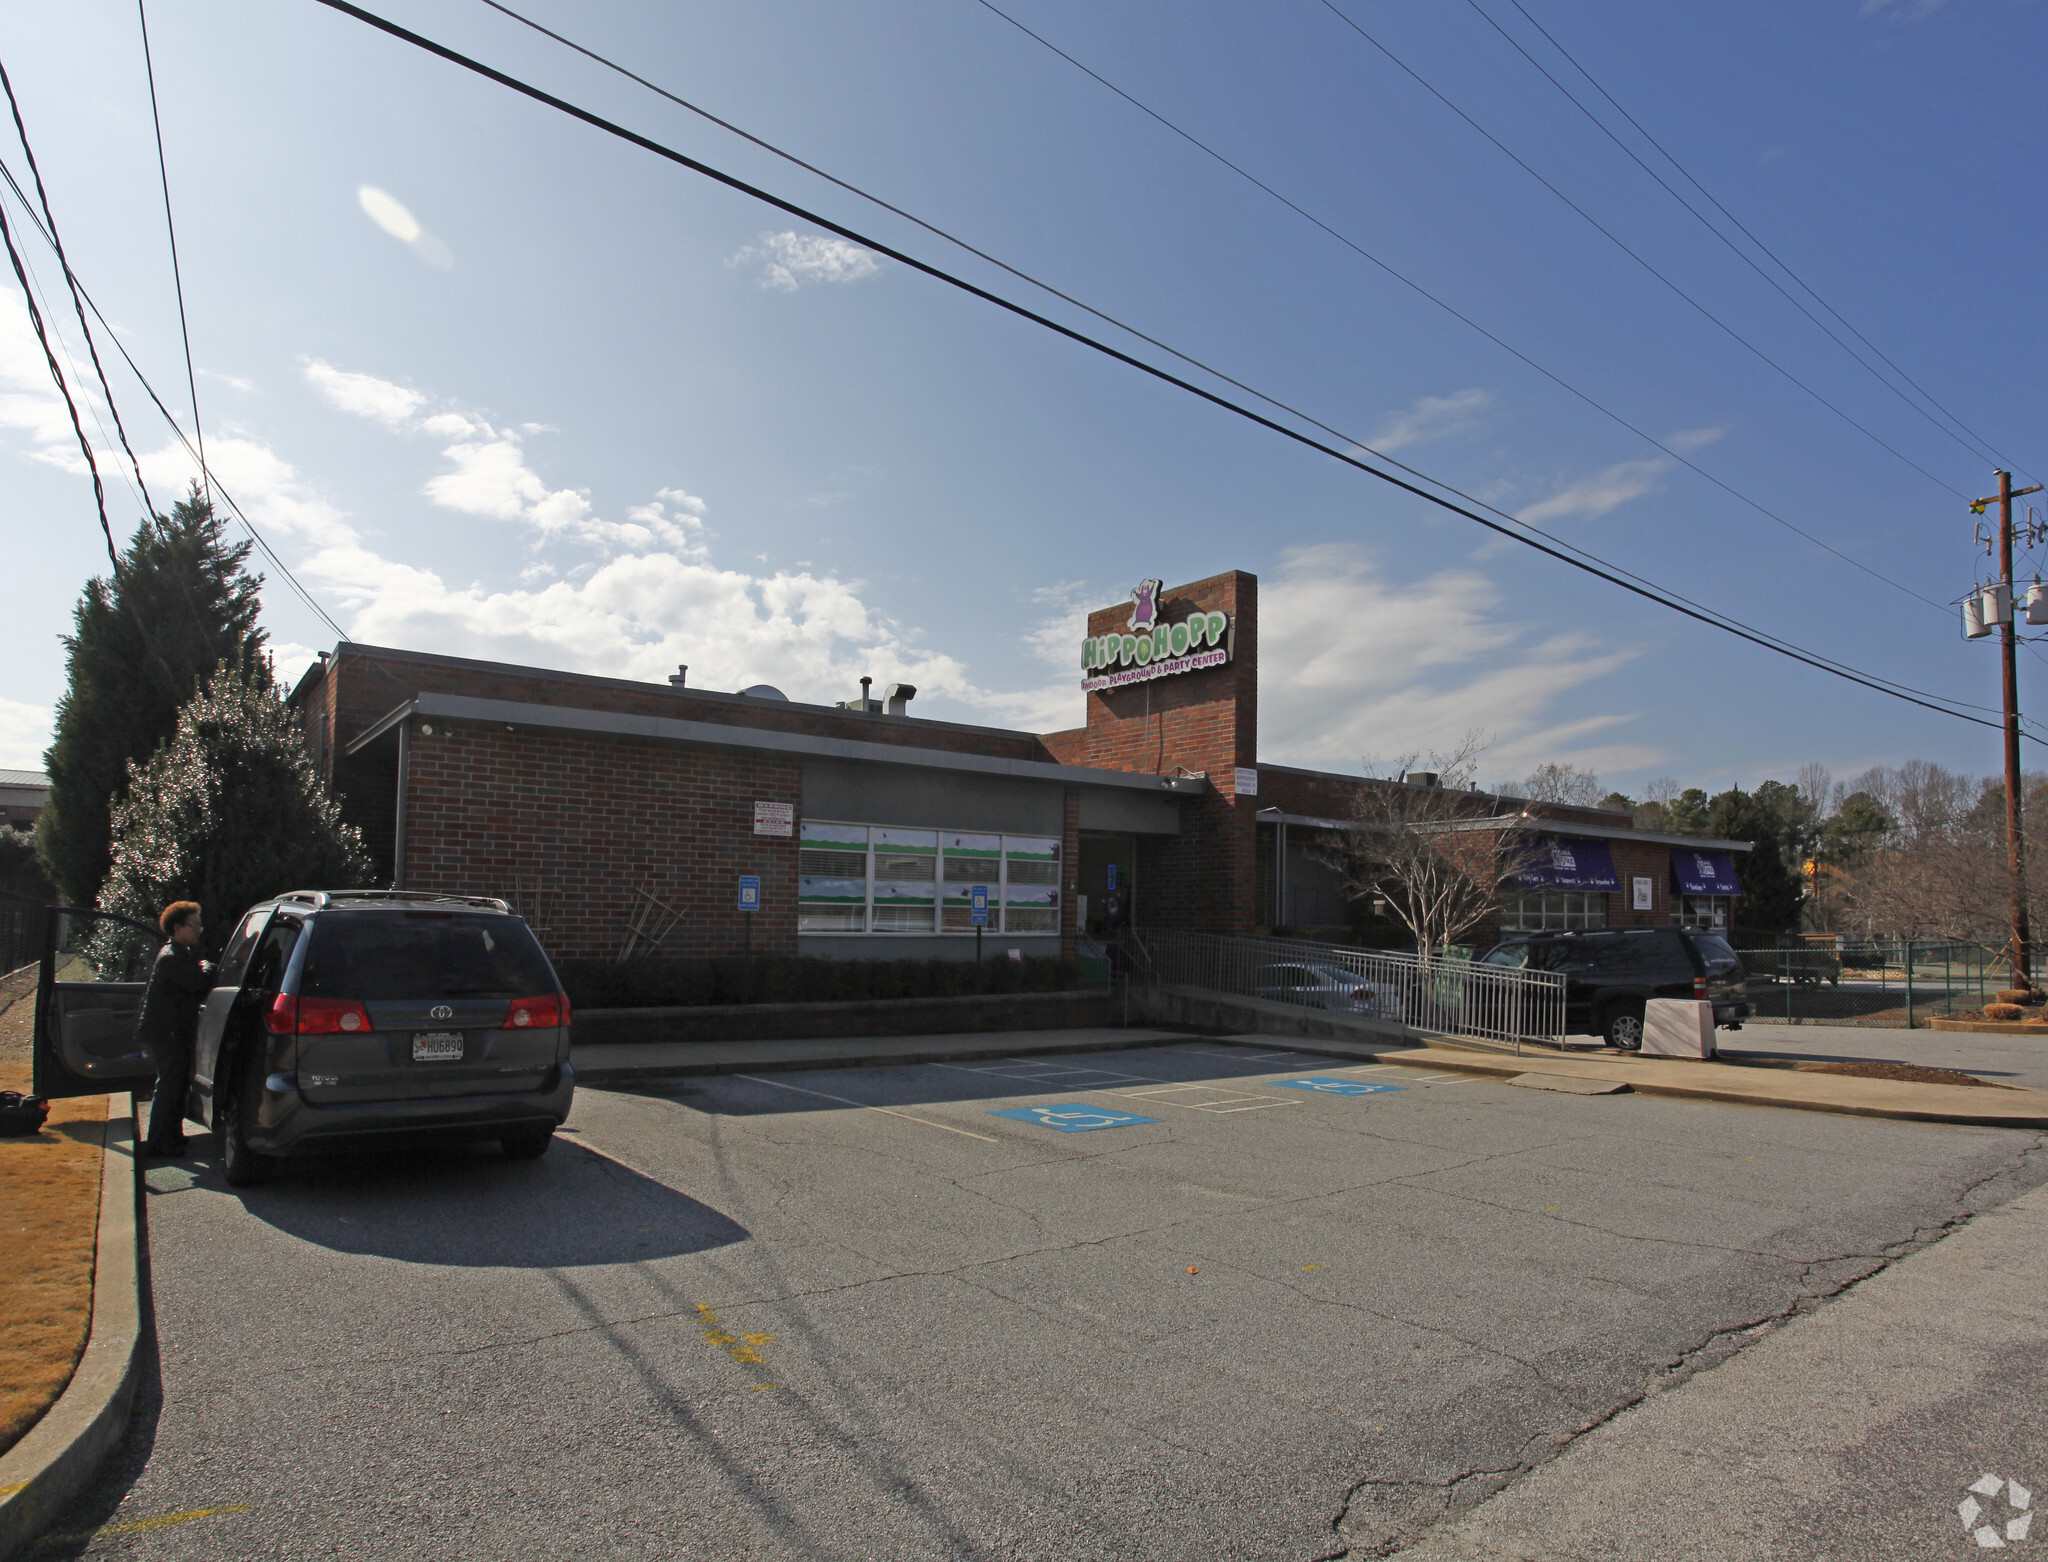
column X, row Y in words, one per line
column 9, row 1491
column 755, row 1388
column 741, row 1347
column 161, row 1521
column 1311, row 1266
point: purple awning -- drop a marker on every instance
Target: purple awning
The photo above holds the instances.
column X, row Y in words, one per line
column 1704, row 872
column 1569, row 862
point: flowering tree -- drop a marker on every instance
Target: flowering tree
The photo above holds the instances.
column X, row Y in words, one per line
column 228, row 812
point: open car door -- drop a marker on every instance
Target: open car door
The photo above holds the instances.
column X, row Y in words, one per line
column 88, row 997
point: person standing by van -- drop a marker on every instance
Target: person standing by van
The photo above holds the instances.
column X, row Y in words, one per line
column 178, row 984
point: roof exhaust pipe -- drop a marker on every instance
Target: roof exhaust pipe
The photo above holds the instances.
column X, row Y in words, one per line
column 899, row 697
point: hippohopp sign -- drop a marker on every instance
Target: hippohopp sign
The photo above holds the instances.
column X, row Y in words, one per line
column 1151, row 649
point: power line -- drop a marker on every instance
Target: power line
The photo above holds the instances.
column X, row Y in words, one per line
column 1618, row 243
column 171, row 227
column 1271, row 401
column 1224, row 403
column 57, row 243
column 1983, row 446
column 262, row 543
column 1464, row 319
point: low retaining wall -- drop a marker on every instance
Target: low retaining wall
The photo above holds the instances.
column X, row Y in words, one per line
column 859, row 1017
column 1228, row 1014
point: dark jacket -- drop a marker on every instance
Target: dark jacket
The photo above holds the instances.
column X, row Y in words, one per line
column 178, row 985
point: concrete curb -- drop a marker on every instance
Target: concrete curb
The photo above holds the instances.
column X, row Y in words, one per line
column 1975, row 1106
column 861, row 1052
column 61, row 1454
column 1990, row 1027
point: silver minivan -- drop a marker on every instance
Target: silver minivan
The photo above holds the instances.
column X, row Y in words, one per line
column 338, row 1019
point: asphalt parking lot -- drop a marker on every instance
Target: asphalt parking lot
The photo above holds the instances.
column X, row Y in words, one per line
column 969, row 1311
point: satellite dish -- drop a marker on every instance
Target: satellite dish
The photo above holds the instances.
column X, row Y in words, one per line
column 765, row 691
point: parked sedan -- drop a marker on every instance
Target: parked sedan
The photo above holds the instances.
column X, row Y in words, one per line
column 1317, row 984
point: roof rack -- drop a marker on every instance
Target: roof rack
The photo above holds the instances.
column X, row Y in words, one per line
column 332, row 897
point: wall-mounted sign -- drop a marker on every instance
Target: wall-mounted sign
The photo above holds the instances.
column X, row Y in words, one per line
column 1646, row 894
column 1245, row 783
column 1152, row 649
column 775, row 818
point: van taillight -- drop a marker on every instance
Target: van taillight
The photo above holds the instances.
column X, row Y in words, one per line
column 548, row 1009
column 289, row 1015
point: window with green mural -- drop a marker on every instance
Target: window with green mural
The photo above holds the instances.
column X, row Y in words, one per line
column 882, row 879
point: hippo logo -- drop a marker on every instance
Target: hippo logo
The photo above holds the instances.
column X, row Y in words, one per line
column 1145, row 596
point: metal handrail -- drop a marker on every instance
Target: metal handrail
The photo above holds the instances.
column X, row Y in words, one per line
column 1450, row 994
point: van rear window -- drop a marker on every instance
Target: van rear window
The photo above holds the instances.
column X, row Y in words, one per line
column 376, row 957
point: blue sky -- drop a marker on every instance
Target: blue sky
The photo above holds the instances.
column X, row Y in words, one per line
column 571, row 405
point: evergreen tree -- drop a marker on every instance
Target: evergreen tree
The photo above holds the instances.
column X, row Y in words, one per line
column 1686, row 814
column 179, row 606
column 20, row 873
column 229, row 812
column 1772, row 887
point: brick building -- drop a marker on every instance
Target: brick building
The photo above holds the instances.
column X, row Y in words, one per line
column 599, row 805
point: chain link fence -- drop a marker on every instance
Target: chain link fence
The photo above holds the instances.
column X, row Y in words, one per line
column 1887, row 983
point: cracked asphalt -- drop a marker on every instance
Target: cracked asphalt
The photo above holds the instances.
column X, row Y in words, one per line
column 757, row 1318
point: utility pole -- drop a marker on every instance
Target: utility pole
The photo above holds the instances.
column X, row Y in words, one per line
column 2015, row 847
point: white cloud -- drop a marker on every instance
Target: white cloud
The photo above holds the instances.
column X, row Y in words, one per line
column 364, row 395
column 790, row 259
column 1686, row 441
column 24, row 734
column 1360, row 666
column 1592, row 497
column 1902, row 10
column 393, row 216
column 1433, row 417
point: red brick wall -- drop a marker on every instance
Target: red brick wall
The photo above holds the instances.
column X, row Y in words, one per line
column 570, row 826
column 1208, row 721
column 365, row 683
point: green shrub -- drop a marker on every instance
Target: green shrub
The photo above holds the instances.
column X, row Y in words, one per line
column 658, row 983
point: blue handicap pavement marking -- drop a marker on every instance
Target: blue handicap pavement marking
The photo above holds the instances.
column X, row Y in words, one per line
column 1337, row 1087
column 1072, row 1117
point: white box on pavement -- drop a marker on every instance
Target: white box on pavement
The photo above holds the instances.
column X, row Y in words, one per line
column 1678, row 1028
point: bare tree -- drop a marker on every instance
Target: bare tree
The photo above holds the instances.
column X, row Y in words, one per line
column 1436, row 852
column 1558, row 783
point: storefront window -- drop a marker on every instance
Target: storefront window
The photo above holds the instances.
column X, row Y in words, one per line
column 1552, row 911
column 856, row 878
column 1704, row 911
column 1031, row 885
column 832, row 878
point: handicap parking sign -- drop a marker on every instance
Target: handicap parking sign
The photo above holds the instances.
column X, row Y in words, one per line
column 977, row 904
column 1336, row 1087
column 1072, row 1117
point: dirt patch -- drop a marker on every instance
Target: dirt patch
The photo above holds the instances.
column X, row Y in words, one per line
column 50, row 1195
column 1871, row 1068
column 17, row 1032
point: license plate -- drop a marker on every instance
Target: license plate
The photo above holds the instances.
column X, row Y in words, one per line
column 437, row 1046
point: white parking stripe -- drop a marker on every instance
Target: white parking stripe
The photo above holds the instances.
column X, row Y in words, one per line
column 843, row 1101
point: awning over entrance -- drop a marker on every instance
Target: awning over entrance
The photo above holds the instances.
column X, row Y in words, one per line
column 1704, row 872
column 1569, row 862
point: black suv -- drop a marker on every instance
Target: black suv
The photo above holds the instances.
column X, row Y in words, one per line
column 337, row 1018
column 1610, row 973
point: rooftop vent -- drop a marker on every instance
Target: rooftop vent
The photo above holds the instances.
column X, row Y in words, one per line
column 899, row 697
column 764, row 691
column 681, row 675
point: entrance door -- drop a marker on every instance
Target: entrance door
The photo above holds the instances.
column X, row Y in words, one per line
column 88, row 998
column 1109, row 872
